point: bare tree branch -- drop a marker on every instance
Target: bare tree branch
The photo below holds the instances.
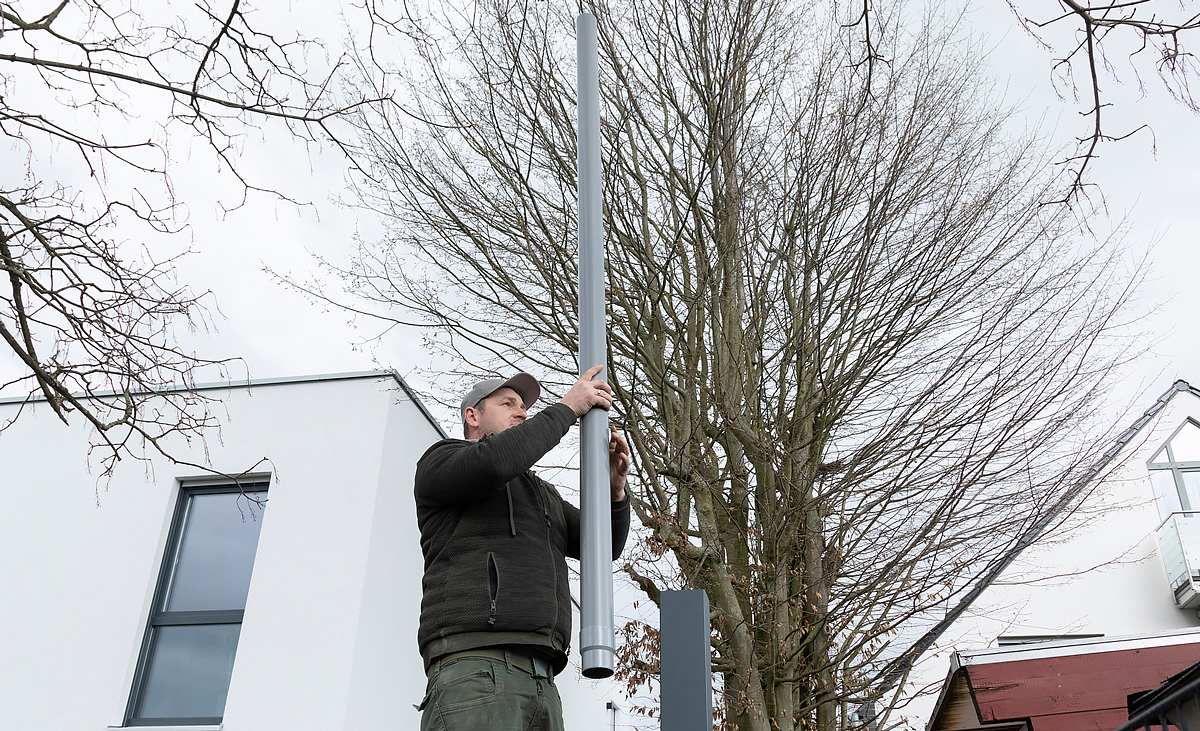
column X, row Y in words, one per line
column 92, row 315
column 1144, row 20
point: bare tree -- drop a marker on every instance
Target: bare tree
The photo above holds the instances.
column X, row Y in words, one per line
column 857, row 359
column 88, row 308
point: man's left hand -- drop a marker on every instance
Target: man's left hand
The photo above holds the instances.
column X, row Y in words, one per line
column 618, row 463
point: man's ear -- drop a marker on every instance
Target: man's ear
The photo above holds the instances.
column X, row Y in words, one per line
column 471, row 416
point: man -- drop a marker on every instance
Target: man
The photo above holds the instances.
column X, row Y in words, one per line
column 495, row 604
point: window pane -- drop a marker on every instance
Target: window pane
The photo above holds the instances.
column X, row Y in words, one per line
column 1165, row 494
column 187, row 673
column 1160, row 457
column 1191, row 483
column 214, row 559
column 1186, row 445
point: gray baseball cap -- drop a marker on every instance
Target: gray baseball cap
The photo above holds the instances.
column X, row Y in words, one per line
column 523, row 383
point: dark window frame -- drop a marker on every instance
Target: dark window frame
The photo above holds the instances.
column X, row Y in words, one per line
column 159, row 618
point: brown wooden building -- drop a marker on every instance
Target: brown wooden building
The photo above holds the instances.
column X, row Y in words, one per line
column 1076, row 685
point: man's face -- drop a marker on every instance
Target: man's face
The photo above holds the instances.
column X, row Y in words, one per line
column 494, row 414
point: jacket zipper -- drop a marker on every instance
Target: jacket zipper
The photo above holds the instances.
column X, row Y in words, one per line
column 493, row 585
column 550, row 550
column 512, row 522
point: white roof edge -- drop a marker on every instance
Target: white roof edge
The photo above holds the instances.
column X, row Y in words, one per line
column 1087, row 646
column 283, row 381
column 416, row 401
column 1127, row 436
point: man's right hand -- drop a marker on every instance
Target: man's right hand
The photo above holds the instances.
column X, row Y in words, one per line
column 586, row 393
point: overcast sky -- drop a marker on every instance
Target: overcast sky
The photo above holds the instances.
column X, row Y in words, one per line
column 1148, row 180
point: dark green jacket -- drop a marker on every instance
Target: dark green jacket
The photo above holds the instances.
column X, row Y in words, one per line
column 495, row 538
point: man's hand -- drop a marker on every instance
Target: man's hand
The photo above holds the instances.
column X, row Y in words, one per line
column 586, row 393
column 618, row 464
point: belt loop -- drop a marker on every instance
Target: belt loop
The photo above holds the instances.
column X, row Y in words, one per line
column 508, row 659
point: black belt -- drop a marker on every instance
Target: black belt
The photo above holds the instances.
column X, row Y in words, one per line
column 538, row 667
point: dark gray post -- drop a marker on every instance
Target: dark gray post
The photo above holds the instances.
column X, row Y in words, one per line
column 686, row 677
column 597, row 645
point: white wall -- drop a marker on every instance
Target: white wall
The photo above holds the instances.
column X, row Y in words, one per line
column 313, row 594
column 388, row 678
column 329, row 635
column 1100, row 575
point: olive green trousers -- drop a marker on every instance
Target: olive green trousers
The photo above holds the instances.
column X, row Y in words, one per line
column 490, row 690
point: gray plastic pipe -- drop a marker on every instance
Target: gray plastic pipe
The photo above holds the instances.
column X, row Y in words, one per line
column 596, row 643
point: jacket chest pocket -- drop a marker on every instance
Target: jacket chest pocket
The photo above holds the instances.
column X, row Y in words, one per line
column 556, row 521
column 518, row 587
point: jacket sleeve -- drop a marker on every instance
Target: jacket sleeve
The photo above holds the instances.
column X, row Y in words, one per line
column 453, row 472
column 620, row 527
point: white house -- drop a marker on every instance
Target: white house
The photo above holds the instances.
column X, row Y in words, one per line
column 172, row 599
column 1126, row 566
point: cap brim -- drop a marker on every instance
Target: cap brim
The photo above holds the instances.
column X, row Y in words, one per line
column 525, row 385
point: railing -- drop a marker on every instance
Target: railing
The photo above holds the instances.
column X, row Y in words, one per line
column 1173, row 705
column 1179, row 548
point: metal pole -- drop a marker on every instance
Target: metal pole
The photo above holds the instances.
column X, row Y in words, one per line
column 596, row 642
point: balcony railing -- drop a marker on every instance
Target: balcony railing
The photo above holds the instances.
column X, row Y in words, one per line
column 1179, row 547
column 1173, row 705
